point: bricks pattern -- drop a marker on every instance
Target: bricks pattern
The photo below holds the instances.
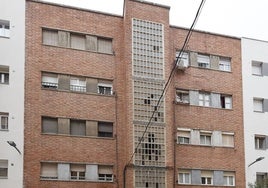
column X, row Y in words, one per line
column 119, row 108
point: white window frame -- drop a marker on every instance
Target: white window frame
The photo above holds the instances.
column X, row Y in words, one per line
column 258, row 139
column 204, row 99
column 207, row 138
column 50, row 80
column 106, row 177
column 6, row 126
column 256, row 67
column 229, row 178
column 182, row 96
column 228, row 101
column 203, row 61
column 105, row 86
column 185, row 135
column 4, row 28
column 78, row 84
column 183, row 59
column 183, row 174
column 258, row 105
column 228, row 144
column 225, row 64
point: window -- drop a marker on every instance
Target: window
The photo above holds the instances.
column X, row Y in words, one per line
column 78, row 41
column 226, row 101
column 228, row 139
column 49, row 80
column 105, row 173
column 225, row 64
column 3, row 168
column 105, row 88
column 50, row 37
column 4, row 28
column 182, row 96
column 78, row 84
column 258, row 105
column 203, row 61
column 4, row 121
column 204, row 99
column 183, row 137
column 105, row 45
column 105, row 129
column 205, row 138
column 49, row 125
column 49, row 171
column 184, row 177
column 262, row 179
column 4, row 74
column 78, row 171
column 206, row 177
column 78, row 127
column 260, row 142
column 229, row 178
column 257, row 68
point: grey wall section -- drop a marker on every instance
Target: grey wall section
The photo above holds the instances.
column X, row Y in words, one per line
column 265, row 105
column 195, row 137
column 92, row 172
column 214, row 62
column 194, row 97
column 265, row 69
column 266, row 142
column 196, row 177
column 63, row 171
column 215, row 100
column 218, row 178
column 216, row 138
column 193, row 59
column 64, row 82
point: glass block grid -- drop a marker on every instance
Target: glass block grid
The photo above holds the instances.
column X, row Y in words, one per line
column 151, row 151
column 147, row 49
column 151, row 178
column 146, row 96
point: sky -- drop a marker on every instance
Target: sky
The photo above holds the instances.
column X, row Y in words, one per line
column 239, row 18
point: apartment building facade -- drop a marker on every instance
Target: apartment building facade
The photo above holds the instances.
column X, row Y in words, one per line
column 93, row 117
column 254, row 63
column 12, row 45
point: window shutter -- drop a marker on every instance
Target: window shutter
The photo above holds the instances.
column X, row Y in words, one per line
column 196, row 177
column 195, row 137
column 92, row 128
column 104, row 45
column 105, row 170
column 64, row 82
column 214, row 62
column 194, row 97
column 50, row 37
column 91, row 43
column 218, row 178
column 216, row 100
column 78, row 41
column 78, row 127
column 49, row 170
column 92, row 172
column 105, row 127
column 49, row 125
column 63, row 126
column 3, row 163
column 63, row 171
column 64, row 39
column 78, row 167
column 265, row 105
column 228, row 140
column 92, row 85
column 265, row 69
column 193, row 59
column 4, row 69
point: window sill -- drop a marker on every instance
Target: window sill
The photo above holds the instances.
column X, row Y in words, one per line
column 79, row 136
column 211, row 107
column 205, row 185
column 4, row 37
column 4, row 130
column 71, row 180
column 258, row 111
column 218, row 70
column 182, row 103
column 207, row 146
column 111, row 54
column 3, row 177
column 76, row 92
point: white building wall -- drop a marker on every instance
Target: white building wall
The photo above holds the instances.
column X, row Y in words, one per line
column 255, row 123
column 12, row 94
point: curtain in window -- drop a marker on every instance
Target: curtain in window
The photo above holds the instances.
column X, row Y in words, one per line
column 49, row 170
column 104, row 45
column 50, row 37
column 78, row 127
column 78, row 41
column 50, row 125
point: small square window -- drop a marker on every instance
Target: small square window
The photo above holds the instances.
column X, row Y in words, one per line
column 78, row 84
column 257, row 68
column 105, row 129
column 225, row 64
column 206, row 177
column 204, row 99
column 78, row 171
column 3, row 121
column 226, row 101
column 3, row 168
column 49, row 80
column 105, row 88
column 183, row 59
column 257, row 105
column 49, row 171
column 228, row 139
column 78, row 127
column 49, row 125
column 182, row 96
column 105, row 173
column 184, row 177
column 205, row 139
column 203, row 61
column 229, row 178
column 260, row 142
column 4, row 28
column 4, row 74
column 183, row 137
